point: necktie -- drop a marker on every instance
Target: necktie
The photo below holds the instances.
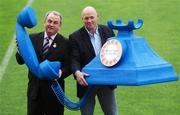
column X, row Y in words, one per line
column 46, row 46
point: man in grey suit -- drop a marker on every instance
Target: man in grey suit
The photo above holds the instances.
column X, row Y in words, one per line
column 85, row 45
column 52, row 46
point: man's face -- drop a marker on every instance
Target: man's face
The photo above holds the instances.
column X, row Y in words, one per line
column 90, row 19
column 52, row 24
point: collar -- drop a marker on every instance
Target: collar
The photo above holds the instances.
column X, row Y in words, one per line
column 92, row 34
column 52, row 37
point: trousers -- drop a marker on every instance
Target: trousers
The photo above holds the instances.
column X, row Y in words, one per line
column 107, row 101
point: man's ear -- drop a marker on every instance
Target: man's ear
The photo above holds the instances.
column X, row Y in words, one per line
column 98, row 17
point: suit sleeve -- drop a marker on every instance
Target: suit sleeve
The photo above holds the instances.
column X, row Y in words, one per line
column 19, row 58
column 75, row 55
column 66, row 63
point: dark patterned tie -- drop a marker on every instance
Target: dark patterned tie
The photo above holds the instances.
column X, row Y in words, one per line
column 46, row 46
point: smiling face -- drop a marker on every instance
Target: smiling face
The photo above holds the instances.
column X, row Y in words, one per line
column 90, row 18
column 52, row 23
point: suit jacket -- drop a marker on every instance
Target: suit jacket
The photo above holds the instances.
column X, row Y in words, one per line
column 58, row 53
column 82, row 51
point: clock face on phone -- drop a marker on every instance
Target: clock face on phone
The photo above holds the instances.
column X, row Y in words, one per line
column 111, row 53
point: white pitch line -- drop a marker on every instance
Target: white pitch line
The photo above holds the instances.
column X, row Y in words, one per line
column 10, row 51
column 29, row 2
column 7, row 57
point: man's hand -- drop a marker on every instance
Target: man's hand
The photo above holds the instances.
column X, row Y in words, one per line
column 80, row 78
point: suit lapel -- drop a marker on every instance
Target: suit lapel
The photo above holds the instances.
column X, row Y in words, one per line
column 52, row 46
column 87, row 41
column 102, row 35
column 39, row 42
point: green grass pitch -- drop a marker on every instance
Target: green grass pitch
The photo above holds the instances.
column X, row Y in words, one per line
column 161, row 29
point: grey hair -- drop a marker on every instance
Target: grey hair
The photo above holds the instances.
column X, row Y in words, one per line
column 55, row 13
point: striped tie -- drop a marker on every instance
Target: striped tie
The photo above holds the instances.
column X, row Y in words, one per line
column 46, row 46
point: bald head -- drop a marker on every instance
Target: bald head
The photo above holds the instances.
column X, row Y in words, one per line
column 88, row 10
column 90, row 17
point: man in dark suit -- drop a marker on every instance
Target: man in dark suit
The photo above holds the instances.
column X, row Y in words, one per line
column 52, row 46
column 85, row 45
